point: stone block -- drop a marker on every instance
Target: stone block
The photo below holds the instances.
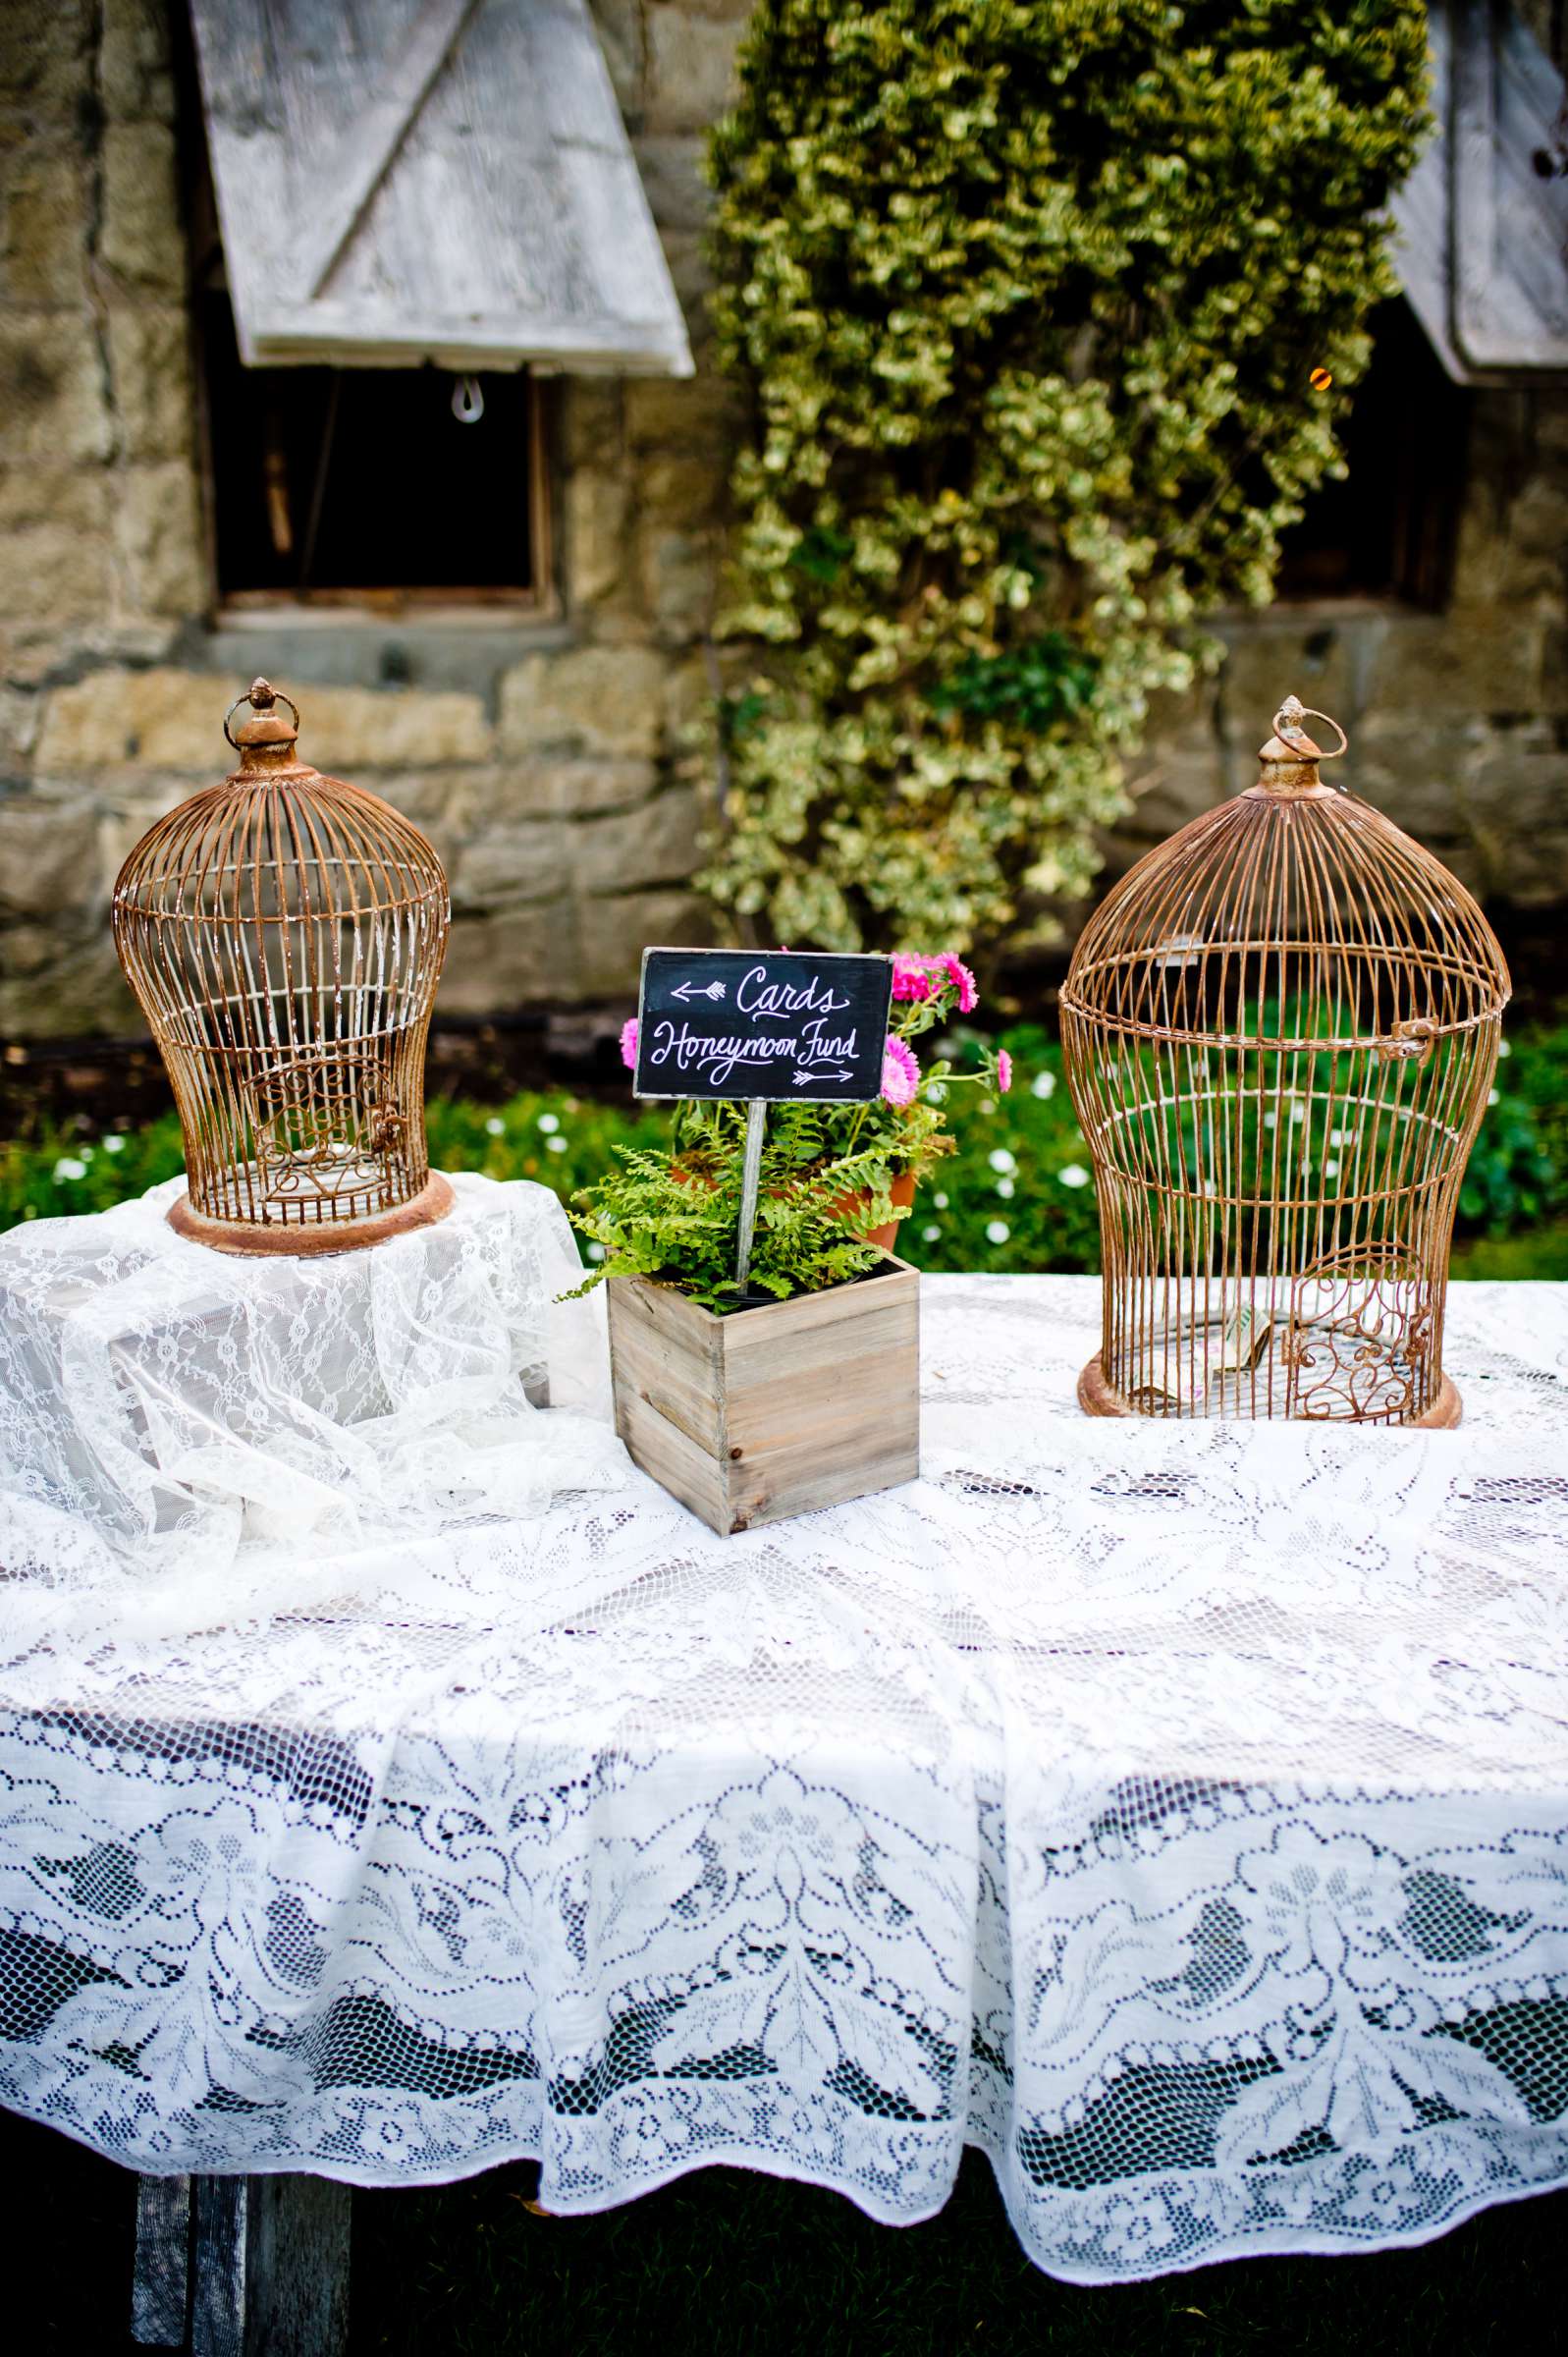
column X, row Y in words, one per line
column 48, row 862
column 592, row 422
column 140, row 239
column 134, row 74
column 669, row 413
column 655, row 844
column 44, row 229
column 1168, row 789
column 54, row 574
column 158, row 539
column 567, row 789
column 509, row 861
column 692, row 68
column 596, row 535
column 612, row 933
column 173, row 721
column 623, row 40
column 80, row 991
column 1273, row 655
column 511, row 958
column 1471, row 660
column 52, row 406
column 159, row 719
column 149, row 353
column 593, row 699
column 44, row 56
column 671, row 166
column 1415, row 770
column 347, row 730
column 679, row 583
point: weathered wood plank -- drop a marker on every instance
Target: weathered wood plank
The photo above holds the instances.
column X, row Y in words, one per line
column 775, row 1411
column 160, row 2282
column 218, row 2268
column 430, row 178
column 298, row 2267
column 352, row 172
column 269, row 2268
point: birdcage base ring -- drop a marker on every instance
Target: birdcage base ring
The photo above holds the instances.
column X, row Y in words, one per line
column 1099, row 1397
column 298, row 1239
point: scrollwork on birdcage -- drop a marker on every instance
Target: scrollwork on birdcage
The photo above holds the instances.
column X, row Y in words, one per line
column 1280, row 1029
column 1359, row 1340
column 321, row 1125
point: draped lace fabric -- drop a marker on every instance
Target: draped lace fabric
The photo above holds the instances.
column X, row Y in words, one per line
column 1179, row 1813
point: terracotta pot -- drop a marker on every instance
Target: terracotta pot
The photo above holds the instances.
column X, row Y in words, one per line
column 902, row 1193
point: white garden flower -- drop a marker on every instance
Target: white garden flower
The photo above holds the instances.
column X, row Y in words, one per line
column 1005, row 1189
column 557, row 1145
column 940, row 1201
column 549, row 1123
column 929, row 1234
column 1001, row 1160
column 496, row 1126
column 68, row 1166
column 113, row 1144
column 998, row 1231
column 1074, row 1175
column 1043, row 1084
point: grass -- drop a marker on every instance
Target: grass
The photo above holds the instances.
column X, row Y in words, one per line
column 726, row 2261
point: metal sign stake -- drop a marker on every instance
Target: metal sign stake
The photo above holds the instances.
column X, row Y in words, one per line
column 750, row 1172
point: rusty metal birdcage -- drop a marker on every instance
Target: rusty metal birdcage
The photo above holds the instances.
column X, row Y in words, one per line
column 284, row 934
column 1280, row 1030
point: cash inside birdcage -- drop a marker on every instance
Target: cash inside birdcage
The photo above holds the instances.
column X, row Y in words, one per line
column 1280, row 1030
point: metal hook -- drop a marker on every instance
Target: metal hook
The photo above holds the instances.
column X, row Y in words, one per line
column 468, row 402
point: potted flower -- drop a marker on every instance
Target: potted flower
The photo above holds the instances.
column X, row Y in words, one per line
column 801, row 1393
column 907, row 1125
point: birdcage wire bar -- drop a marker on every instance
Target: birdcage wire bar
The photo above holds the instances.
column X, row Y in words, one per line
column 1280, row 1030
column 284, row 933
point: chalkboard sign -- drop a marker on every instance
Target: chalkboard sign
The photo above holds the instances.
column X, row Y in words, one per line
column 771, row 1024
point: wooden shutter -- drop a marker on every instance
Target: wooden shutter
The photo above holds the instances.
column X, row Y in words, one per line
column 444, row 180
column 1483, row 217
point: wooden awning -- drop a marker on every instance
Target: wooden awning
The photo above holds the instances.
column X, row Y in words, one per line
column 1483, row 218
column 442, row 179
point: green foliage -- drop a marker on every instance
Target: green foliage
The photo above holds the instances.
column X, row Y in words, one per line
column 1027, row 295
column 677, row 1217
column 1018, row 1164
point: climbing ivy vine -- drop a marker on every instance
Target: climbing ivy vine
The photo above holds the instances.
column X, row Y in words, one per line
column 1028, row 297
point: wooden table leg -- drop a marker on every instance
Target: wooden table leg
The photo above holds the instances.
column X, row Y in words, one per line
column 241, row 2266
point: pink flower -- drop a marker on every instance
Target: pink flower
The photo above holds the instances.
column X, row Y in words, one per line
column 900, row 1074
column 911, row 978
column 964, row 982
column 628, row 1043
column 1004, row 1071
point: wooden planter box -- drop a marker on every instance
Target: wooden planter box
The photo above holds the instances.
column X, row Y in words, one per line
column 776, row 1410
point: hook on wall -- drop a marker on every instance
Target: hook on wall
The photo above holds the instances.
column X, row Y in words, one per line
column 468, row 402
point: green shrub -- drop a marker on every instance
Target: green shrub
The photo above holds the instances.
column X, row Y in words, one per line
column 1027, row 297
column 1021, row 1165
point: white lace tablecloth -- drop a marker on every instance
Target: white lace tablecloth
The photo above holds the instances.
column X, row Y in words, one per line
column 1180, row 1814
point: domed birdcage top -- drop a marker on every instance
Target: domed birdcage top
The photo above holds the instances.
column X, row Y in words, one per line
column 284, row 933
column 1280, row 1027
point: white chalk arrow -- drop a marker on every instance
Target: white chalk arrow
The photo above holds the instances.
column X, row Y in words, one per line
column 698, row 990
column 802, row 1078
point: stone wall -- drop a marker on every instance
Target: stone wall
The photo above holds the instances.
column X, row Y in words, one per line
column 551, row 762
column 1458, row 720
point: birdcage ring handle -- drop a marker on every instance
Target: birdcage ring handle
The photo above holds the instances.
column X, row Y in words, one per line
column 1290, row 715
column 260, row 695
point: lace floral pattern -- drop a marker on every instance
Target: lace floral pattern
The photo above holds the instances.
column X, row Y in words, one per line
column 1179, row 1813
